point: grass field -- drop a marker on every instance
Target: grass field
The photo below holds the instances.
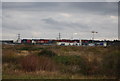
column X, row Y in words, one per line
column 60, row 62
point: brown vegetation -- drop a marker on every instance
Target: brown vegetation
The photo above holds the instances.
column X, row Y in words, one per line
column 63, row 61
column 35, row 63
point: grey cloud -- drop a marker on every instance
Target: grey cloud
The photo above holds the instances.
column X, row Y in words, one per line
column 103, row 8
column 60, row 1
column 28, row 18
column 65, row 25
column 8, row 23
column 50, row 21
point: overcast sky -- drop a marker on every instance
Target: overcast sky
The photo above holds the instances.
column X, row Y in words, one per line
column 71, row 19
column 60, row 0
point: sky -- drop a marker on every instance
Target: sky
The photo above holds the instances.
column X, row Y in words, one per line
column 0, row 20
column 59, row 0
column 74, row 20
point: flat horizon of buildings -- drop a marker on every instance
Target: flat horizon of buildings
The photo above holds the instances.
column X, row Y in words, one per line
column 63, row 42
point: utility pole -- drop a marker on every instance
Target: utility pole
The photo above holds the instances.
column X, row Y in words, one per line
column 18, row 40
column 93, row 32
column 59, row 36
column 18, row 36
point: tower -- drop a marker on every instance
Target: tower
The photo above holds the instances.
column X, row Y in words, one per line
column 93, row 32
column 59, row 36
column 18, row 39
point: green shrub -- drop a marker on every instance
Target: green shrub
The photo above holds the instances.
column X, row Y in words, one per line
column 111, row 64
column 72, row 64
column 62, row 59
column 47, row 52
column 30, row 48
column 78, row 64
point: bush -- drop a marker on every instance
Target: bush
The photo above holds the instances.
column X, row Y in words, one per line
column 93, row 67
column 30, row 63
column 111, row 64
column 35, row 63
column 72, row 64
column 30, row 48
column 9, row 56
column 47, row 53
column 62, row 59
column 47, row 64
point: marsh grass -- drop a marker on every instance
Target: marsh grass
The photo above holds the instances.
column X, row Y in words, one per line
column 63, row 61
column 35, row 63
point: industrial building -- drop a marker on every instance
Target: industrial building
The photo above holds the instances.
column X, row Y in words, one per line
column 64, row 42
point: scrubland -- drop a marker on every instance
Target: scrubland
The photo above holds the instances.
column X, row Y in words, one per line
column 60, row 62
